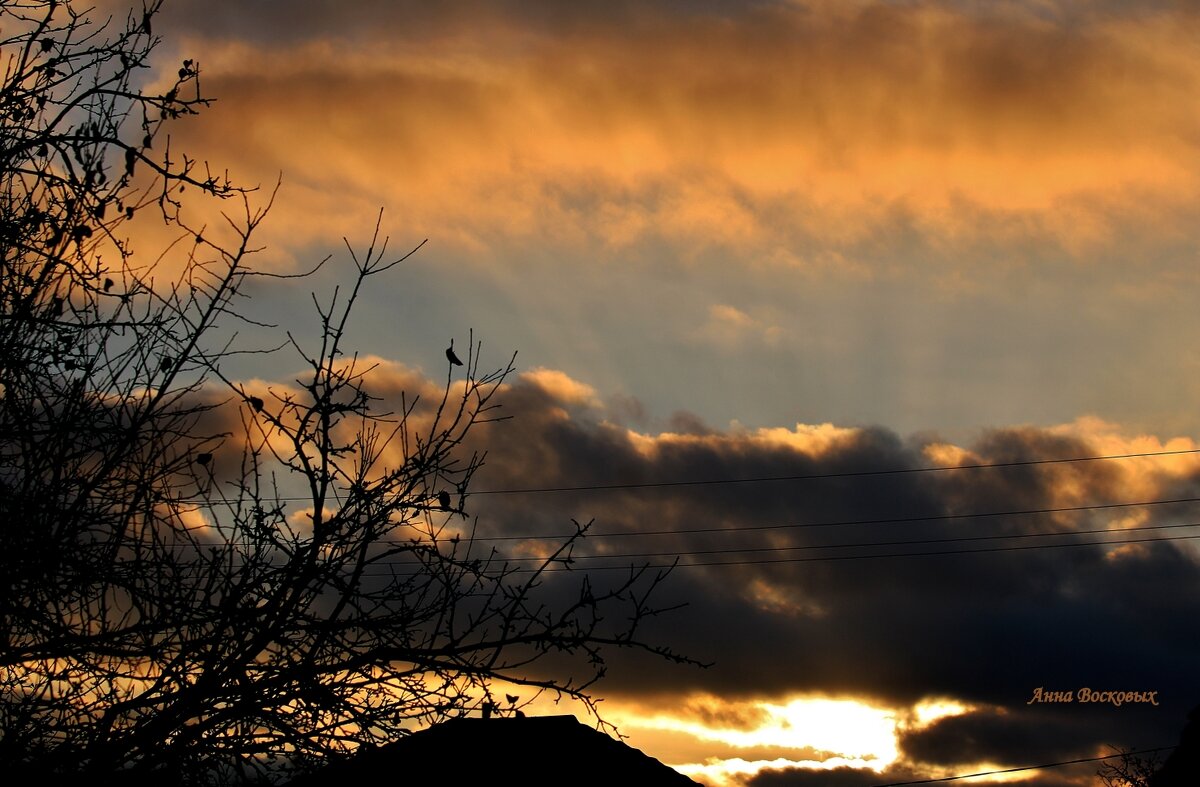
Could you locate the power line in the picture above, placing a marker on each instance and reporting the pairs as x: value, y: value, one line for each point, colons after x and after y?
x: 932, y: 553
x: 738, y: 529
x: 1024, y: 768
x: 803, y: 526
x: 823, y: 558
x: 816, y: 476
x: 797, y: 477
x: 855, y: 522
x: 868, y: 544
x: 505, y: 562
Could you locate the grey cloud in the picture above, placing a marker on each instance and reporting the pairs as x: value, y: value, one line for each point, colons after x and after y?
x: 983, y: 628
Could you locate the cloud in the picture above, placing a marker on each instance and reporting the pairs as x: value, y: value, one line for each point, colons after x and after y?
x: 729, y: 327
x: 778, y: 132
x: 950, y: 648
x: 1030, y: 148
x: 559, y: 386
x: 981, y: 629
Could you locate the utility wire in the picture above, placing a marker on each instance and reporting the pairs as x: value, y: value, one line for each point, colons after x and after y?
x: 803, y: 526
x: 814, y: 476
x: 1024, y: 768
x: 832, y: 558
x: 867, y: 544
x: 501, y: 564
x: 816, y: 559
x: 854, y: 522
x: 798, y: 477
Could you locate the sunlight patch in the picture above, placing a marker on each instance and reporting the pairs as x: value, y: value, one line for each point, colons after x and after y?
x: 814, y: 440
x: 847, y: 729
x: 561, y: 386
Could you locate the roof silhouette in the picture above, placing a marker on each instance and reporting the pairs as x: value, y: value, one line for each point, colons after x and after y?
x: 532, y: 750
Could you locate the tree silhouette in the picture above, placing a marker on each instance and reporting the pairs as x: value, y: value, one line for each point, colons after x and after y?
x: 204, y: 583
x: 1129, y: 770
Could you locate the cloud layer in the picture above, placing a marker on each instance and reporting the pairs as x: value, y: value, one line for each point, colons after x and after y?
x: 808, y: 230
x: 985, y: 629
x: 791, y: 132
x: 927, y: 215
x: 800, y: 588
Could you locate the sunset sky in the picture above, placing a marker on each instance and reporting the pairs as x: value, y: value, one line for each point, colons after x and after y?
x: 736, y: 240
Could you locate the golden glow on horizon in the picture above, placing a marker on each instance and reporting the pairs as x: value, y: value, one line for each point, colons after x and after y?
x: 845, y: 728
x: 724, y: 743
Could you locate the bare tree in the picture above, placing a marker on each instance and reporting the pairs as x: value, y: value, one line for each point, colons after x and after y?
x: 1130, y: 769
x: 204, y: 583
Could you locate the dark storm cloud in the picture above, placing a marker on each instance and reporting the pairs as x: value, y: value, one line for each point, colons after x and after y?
x: 1003, y: 735
x: 985, y: 629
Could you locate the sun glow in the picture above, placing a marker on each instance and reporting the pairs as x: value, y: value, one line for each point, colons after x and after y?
x: 928, y: 711
x: 820, y: 731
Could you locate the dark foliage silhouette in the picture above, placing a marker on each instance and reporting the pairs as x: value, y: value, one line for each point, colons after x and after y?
x: 170, y: 611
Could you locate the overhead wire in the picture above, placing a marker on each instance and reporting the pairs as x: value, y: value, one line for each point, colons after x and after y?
x: 564, y: 564
x: 856, y: 522
x: 1023, y: 768
x: 498, y: 564
x: 806, y: 476
x: 838, y: 474
x: 833, y: 558
x: 836, y: 523
x: 870, y: 544
x: 740, y: 529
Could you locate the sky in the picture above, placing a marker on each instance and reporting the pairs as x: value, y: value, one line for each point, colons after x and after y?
x: 762, y: 239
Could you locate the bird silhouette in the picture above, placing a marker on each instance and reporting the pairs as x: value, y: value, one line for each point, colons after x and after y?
x: 444, y: 499
x: 451, y: 357
x: 203, y: 459
x: 512, y: 698
x: 256, y: 403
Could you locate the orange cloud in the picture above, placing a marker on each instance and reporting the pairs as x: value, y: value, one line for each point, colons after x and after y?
x: 751, y: 132
x: 728, y: 327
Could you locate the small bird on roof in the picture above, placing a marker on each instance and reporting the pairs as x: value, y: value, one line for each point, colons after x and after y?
x: 451, y: 357
x: 444, y: 499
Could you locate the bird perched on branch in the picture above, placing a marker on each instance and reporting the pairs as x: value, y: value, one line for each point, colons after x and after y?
x: 444, y: 499
x: 451, y: 357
